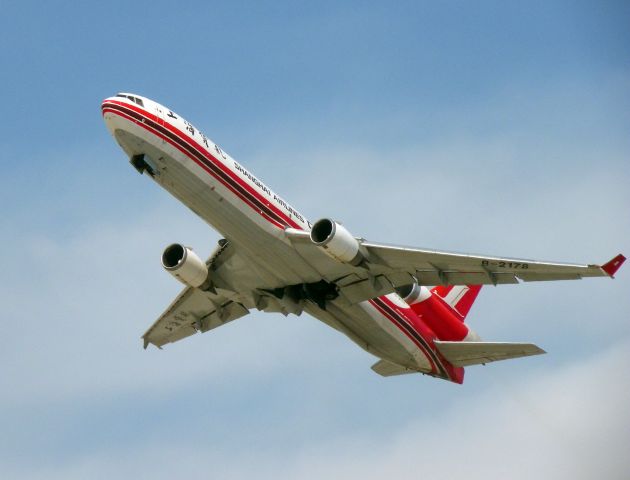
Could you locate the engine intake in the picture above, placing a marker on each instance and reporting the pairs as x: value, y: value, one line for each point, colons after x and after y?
x: 413, y: 293
x: 336, y: 241
x: 184, y: 265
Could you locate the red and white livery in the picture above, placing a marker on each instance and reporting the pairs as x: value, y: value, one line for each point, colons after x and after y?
x: 273, y: 259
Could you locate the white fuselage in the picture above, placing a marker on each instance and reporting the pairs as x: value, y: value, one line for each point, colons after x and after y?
x: 249, y: 214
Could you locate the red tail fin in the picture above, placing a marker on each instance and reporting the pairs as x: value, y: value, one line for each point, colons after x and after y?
x: 459, y: 297
x: 444, y: 309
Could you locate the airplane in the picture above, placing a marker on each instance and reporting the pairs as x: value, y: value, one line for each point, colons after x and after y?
x: 272, y: 259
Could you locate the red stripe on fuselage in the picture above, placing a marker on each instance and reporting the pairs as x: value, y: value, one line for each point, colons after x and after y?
x: 199, y: 149
x: 406, y: 328
x: 421, y: 335
x: 387, y: 309
x: 234, y: 190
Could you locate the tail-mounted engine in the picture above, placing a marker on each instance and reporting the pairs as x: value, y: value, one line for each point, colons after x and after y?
x: 184, y: 265
x: 336, y: 241
x: 413, y: 293
x: 443, y: 319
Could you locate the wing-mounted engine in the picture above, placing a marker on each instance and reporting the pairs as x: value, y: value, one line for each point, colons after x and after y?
x: 336, y: 241
x: 184, y: 264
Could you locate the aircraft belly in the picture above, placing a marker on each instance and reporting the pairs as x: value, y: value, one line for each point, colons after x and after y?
x: 261, y: 241
x: 275, y: 262
x: 373, y: 332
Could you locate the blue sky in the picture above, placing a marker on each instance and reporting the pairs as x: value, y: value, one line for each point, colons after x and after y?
x: 494, y: 128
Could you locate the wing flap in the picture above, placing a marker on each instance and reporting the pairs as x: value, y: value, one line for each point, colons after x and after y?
x: 462, y: 354
x: 547, y: 277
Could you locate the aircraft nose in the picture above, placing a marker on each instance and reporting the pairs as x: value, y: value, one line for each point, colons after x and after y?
x: 108, y: 117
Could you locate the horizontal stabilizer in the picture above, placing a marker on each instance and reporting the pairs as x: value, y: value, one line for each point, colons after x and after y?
x: 389, y: 369
x: 462, y: 354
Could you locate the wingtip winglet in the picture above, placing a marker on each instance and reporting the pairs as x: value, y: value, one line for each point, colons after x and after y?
x: 613, y: 265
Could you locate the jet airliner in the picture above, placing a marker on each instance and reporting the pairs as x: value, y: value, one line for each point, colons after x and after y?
x: 406, y: 306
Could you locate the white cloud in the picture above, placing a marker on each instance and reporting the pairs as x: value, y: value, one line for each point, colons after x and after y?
x: 567, y: 424
x: 572, y: 423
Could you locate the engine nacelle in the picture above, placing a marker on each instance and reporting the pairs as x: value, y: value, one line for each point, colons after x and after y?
x: 433, y: 311
x: 184, y: 265
x: 336, y: 241
x: 413, y: 293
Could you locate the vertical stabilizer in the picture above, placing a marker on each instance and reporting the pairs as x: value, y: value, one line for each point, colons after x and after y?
x: 458, y: 297
x: 444, y: 309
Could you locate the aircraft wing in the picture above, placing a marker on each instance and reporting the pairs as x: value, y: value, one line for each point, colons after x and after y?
x: 192, y: 311
x: 432, y: 267
x: 388, y: 266
x: 236, y: 281
x: 195, y: 310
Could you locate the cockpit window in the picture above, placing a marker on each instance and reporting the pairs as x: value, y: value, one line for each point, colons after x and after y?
x: 132, y: 98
